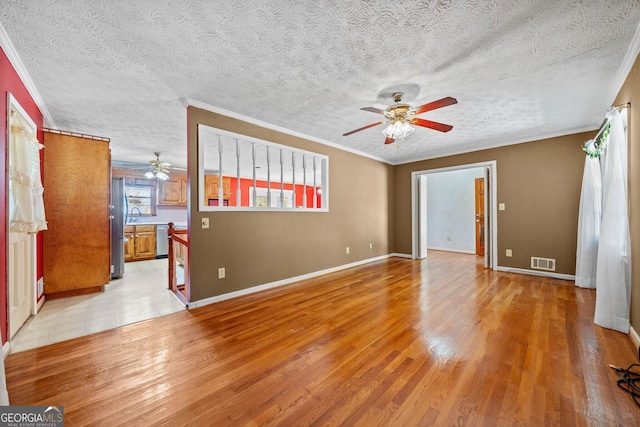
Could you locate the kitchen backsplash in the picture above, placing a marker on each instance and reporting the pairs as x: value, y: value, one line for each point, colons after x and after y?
x: 176, y: 214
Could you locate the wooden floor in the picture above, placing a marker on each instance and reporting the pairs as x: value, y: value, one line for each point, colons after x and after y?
x: 393, y: 343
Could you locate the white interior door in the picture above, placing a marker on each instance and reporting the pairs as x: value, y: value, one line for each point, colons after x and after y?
x: 21, y: 263
x: 21, y: 279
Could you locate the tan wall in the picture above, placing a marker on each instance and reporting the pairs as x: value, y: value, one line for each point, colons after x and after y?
x: 539, y: 183
x: 263, y: 247
x: 630, y: 92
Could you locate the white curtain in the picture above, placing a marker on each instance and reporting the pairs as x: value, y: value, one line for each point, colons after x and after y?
x: 589, y: 224
x: 613, y: 267
x: 26, y: 196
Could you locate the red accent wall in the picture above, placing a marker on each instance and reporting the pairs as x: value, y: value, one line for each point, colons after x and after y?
x: 11, y: 82
x: 246, y: 183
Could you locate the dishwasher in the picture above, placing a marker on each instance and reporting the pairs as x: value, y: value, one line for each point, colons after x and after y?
x: 162, y: 241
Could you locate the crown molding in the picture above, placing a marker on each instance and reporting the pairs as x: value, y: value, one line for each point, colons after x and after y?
x: 625, y: 67
x: 16, y: 62
x: 188, y: 102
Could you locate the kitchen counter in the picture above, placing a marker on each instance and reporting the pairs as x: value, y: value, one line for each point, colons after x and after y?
x: 144, y: 222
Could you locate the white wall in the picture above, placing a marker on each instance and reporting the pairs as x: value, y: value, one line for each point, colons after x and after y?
x: 451, y: 210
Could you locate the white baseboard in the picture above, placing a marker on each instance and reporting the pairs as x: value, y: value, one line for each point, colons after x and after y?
x: 635, y: 338
x: 538, y: 273
x: 401, y: 255
x: 283, y: 282
x: 451, y: 250
x: 6, y: 349
x: 39, y: 305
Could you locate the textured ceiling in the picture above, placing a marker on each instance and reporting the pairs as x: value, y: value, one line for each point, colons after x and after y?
x: 521, y: 70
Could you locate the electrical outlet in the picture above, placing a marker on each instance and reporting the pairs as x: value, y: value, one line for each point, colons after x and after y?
x: 448, y: 239
x: 501, y: 206
x: 221, y: 273
x: 370, y: 245
x: 509, y: 253
x: 348, y: 250
x: 205, y: 222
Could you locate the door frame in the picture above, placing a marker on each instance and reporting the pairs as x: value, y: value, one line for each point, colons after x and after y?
x: 418, y: 209
x: 12, y: 102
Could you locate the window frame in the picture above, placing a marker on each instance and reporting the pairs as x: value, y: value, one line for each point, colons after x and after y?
x: 320, y: 161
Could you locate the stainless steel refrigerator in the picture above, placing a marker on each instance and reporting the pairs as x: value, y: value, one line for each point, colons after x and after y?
x: 118, y: 217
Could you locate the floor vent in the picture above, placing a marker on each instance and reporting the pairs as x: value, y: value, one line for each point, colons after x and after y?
x: 548, y: 264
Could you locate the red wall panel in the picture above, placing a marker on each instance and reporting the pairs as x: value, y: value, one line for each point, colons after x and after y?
x: 11, y: 82
x: 246, y: 183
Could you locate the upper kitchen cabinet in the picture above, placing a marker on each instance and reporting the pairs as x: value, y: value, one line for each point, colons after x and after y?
x: 211, y: 187
x: 173, y: 192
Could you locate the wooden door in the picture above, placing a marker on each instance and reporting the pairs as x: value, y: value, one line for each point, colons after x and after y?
x: 422, y: 216
x: 479, y: 216
x: 77, y: 182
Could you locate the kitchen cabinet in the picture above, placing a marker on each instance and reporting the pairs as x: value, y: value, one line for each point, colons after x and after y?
x: 141, y: 242
x: 211, y: 183
x: 173, y: 192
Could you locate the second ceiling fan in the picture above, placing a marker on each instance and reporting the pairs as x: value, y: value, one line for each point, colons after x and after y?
x: 401, y: 116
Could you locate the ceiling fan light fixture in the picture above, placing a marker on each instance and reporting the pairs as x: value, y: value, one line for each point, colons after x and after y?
x: 398, y: 129
x: 157, y: 169
x: 163, y: 176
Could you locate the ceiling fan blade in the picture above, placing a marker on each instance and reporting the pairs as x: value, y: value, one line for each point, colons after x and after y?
x: 431, y: 125
x: 389, y: 140
x: 373, y: 110
x: 362, y: 128
x: 444, y: 102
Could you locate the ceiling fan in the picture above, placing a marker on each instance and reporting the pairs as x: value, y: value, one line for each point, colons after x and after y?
x: 158, y: 169
x: 148, y: 167
x: 401, y: 116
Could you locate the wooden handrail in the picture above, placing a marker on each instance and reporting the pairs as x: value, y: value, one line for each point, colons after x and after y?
x: 180, y: 237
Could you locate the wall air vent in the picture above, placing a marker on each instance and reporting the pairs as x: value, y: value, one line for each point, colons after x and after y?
x: 548, y: 264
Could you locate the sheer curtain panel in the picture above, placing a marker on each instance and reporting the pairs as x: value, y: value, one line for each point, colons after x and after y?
x: 589, y: 224
x: 613, y: 275
x: 26, y: 196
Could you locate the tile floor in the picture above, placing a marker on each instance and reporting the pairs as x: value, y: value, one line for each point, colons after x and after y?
x: 141, y: 294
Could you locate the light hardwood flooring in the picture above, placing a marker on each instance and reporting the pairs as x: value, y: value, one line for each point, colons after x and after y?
x: 140, y: 295
x: 397, y: 342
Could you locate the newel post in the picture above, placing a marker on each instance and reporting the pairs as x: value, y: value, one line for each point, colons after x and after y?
x: 172, y: 261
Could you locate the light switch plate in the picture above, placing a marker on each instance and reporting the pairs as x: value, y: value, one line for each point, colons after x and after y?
x: 501, y: 206
x: 205, y: 222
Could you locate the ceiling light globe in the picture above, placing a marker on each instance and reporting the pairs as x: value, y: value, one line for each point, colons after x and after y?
x: 399, y: 129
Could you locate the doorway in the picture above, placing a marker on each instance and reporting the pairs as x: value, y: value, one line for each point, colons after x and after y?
x: 486, y: 224
x: 23, y: 214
